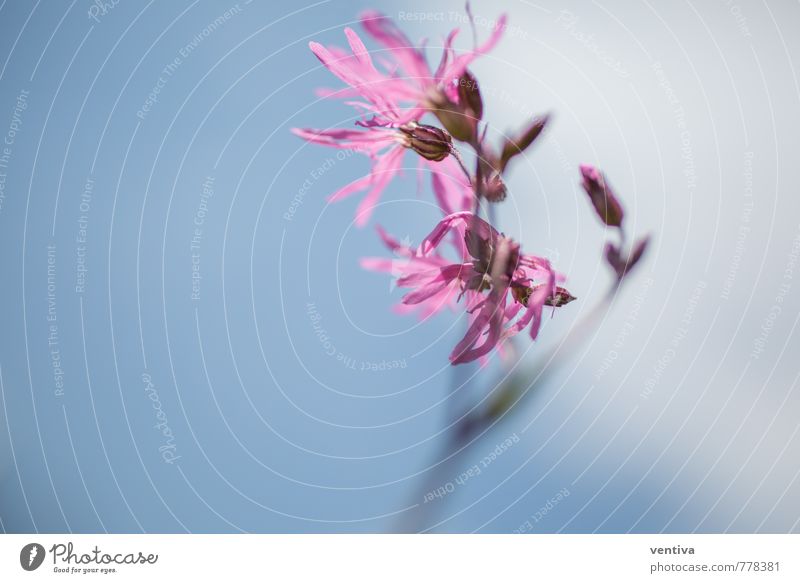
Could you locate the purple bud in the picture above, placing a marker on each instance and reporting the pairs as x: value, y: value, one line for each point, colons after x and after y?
x: 517, y: 145
x: 620, y: 265
x: 560, y: 297
x: 521, y: 293
x: 469, y: 96
x: 494, y: 189
x: 461, y: 126
x: 601, y: 196
x: 430, y: 142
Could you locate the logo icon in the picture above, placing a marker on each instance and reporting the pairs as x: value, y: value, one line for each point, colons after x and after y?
x: 31, y: 556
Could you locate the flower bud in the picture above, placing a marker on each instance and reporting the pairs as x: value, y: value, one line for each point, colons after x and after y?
x: 621, y: 265
x: 601, y: 196
x: 430, y: 142
x: 505, y: 258
x: 518, y: 144
x: 494, y: 189
x: 478, y: 247
x: 560, y: 297
x: 455, y: 118
x: 521, y: 293
x: 469, y: 96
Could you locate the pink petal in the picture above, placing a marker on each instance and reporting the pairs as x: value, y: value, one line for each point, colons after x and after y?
x: 355, y: 186
x: 377, y: 264
x: 463, y: 219
x: 382, y: 172
x: 490, y: 318
x: 460, y: 63
x: 367, y: 142
x: 358, y: 48
x: 383, y: 30
x: 452, y: 191
x: 445, y: 273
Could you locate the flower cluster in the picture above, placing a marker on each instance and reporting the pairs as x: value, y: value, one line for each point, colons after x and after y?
x: 502, y: 290
x: 391, y: 103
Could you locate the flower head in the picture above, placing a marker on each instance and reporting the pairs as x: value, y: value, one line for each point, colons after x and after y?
x: 390, y: 100
x: 407, y: 266
x: 504, y: 290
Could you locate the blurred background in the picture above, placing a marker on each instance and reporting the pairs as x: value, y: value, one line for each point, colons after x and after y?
x: 189, y: 344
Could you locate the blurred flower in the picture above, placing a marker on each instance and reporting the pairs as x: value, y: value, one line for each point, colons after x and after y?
x: 622, y: 265
x: 513, y: 146
x: 504, y: 290
x: 601, y: 196
x: 419, y: 83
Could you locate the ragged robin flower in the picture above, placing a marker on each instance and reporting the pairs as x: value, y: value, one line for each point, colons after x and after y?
x: 503, y: 289
x: 390, y: 100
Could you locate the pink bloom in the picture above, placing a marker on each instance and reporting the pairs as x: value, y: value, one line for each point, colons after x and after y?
x: 386, y: 146
x: 419, y: 84
x: 505, y: 290
x: 395, y: 98
x: 406, y: 264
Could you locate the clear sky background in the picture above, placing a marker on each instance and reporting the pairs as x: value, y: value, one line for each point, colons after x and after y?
x: 165, y: 262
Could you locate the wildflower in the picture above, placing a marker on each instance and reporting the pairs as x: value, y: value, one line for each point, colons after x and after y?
x: 506, y: 290
x: 405, y: 264
x: 391, y: 102
x: 428, y: 88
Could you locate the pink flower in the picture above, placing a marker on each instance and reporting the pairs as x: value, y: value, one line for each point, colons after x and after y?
x: 395, y: 98
x: 505, y: 290
x: 406, y: 264
x: 419, y: 84
x: 386, y: 146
